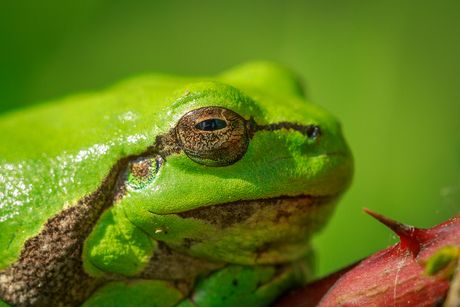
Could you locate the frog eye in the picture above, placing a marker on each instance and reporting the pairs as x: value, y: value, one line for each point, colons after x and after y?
x: 213, y: 136
x: 142, y: 171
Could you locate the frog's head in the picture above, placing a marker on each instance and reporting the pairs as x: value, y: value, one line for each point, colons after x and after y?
x: 243, y: 173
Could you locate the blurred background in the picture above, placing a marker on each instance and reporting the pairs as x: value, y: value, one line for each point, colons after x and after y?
x: 390, y: 70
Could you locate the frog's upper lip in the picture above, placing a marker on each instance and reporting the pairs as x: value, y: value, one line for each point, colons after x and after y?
x: 309, y: 200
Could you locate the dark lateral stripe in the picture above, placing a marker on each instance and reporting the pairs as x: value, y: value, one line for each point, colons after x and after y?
x: 279, y: 126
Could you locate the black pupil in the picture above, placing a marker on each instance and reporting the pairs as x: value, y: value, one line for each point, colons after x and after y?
x: 313, y: 131
x: 211, y: 124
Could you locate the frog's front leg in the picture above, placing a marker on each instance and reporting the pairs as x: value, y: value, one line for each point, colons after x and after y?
x: 239, y: 285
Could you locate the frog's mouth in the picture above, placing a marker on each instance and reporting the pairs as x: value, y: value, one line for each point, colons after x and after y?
x: 253, y: 211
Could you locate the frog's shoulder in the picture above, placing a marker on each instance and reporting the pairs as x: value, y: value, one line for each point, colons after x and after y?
x: 55, y: 154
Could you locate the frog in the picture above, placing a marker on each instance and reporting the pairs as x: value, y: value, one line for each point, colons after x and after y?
x: 166, y: 190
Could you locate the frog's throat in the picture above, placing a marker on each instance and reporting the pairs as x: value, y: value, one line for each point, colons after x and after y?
x: 275, y: 230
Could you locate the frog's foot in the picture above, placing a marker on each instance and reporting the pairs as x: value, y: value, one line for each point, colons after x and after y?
x: 238, y: 285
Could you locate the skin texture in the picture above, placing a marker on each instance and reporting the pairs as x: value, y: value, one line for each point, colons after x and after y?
x: 113, y: 193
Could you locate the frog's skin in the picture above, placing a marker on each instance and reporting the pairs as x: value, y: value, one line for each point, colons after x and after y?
x: 167, y: 191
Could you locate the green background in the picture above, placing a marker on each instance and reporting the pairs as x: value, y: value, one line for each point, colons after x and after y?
x: 390, y: 70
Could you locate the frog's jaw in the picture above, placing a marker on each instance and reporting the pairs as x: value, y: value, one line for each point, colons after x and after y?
x: 266, y: 231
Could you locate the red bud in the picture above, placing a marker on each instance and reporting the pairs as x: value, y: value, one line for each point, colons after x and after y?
x: 414, y: 272
x: 398, y: 275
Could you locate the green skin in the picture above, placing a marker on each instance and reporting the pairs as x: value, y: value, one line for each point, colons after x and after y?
x: 56, y: 154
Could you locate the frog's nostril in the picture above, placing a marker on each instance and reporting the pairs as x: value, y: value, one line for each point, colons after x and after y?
x: 313, y: 131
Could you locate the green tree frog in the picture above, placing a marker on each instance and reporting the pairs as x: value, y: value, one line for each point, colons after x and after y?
x: 167, y: 191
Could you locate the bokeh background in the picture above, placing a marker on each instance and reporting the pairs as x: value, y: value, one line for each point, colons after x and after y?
x: 390, y: 70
